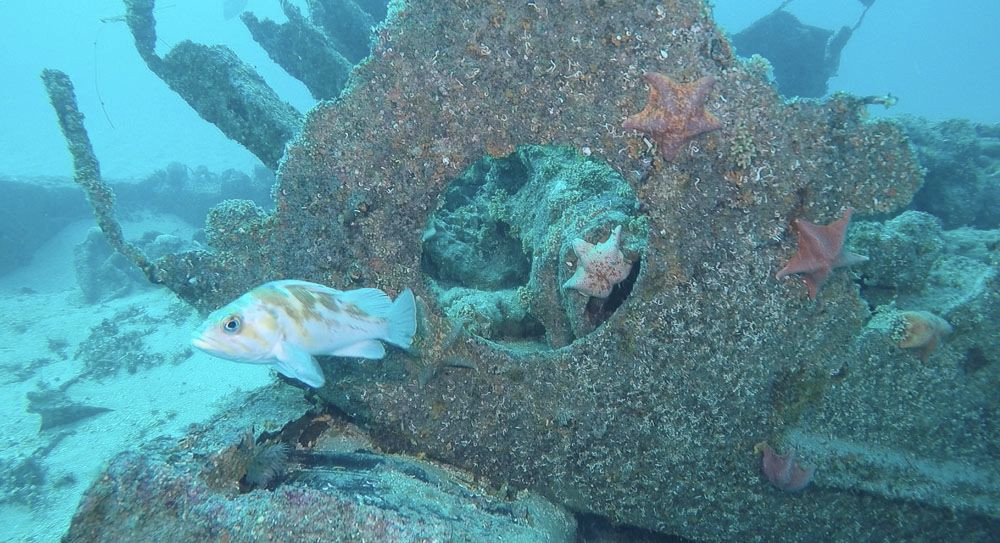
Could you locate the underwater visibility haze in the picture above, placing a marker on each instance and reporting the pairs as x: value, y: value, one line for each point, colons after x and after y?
x: 553, y: 271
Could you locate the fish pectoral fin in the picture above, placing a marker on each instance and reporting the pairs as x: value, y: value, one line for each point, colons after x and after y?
x: 368, y: 348
x: 296, y: 363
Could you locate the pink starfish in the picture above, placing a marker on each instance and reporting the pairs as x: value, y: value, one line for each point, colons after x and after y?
x: 821, y: 249
x: 784, y: 471
x: 599, y: 267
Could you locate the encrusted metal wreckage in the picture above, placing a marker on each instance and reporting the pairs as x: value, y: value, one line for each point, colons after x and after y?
x: 644, y: 408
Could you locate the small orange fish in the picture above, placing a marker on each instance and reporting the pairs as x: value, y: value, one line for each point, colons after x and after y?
x: 285, y: 323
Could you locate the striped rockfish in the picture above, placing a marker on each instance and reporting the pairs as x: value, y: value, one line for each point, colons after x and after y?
x: 285, y: 323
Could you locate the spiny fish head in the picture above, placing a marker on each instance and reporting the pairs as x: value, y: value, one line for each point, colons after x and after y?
x: 243, y: 331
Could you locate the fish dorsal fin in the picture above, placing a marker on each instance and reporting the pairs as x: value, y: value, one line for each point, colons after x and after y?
x: 370, y: 302
x: 296, y: 363
x: 309, y: 286
x: 369, y: 348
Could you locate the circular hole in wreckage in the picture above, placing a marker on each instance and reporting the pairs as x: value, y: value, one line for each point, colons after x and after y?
x: 535, y: 249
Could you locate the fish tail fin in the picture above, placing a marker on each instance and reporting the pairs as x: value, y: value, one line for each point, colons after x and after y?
x: 402, y: 317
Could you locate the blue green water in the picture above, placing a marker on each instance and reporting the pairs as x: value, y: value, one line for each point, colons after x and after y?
x: 940, y: 61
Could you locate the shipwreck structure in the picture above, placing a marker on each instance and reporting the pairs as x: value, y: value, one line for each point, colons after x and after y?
x: 469, y: 153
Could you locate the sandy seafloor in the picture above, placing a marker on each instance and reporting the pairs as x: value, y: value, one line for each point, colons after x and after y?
x: 42, y: 302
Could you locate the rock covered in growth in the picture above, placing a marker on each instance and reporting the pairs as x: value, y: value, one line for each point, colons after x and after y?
x: 961, y: 186
x: 24, y: 478
x: 303, y: 50
x: 223, y: 89
x: 332, y: 489
x: 230, y: 94
x: 907, y: 245
x: 48, y: 204
x: 650, y: 419
x: 348, y: 24
x: 910, y: 414
x: 101, y: 272
x: 189, y: 192
x: 104, y: 274
x: 87, y: 171
x: 134, y: 501
x: 922, y: 265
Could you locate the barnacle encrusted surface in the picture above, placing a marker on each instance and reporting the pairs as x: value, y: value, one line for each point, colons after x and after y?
x: 333, y: 487
x: 651, y: 418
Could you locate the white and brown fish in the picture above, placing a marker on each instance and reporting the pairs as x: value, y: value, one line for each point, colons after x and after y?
x: 285, y: 323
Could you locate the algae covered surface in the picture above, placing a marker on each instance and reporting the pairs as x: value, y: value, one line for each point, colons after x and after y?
x: 482, y: 140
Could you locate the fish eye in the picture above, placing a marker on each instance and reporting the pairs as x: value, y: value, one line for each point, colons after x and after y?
x: 232, y: 324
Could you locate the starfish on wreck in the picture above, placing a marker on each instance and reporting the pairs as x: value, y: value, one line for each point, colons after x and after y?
x: 922, y: 330
x: 675, y: 113
x: 783, y: 470
x: 599, y: 267
x: 821, y: 249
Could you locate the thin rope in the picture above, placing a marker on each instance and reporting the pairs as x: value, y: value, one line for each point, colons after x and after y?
x: 97, y: 86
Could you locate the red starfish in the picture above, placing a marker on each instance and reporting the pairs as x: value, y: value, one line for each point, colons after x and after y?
x: 821, y: 249
x: 674, y: 113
